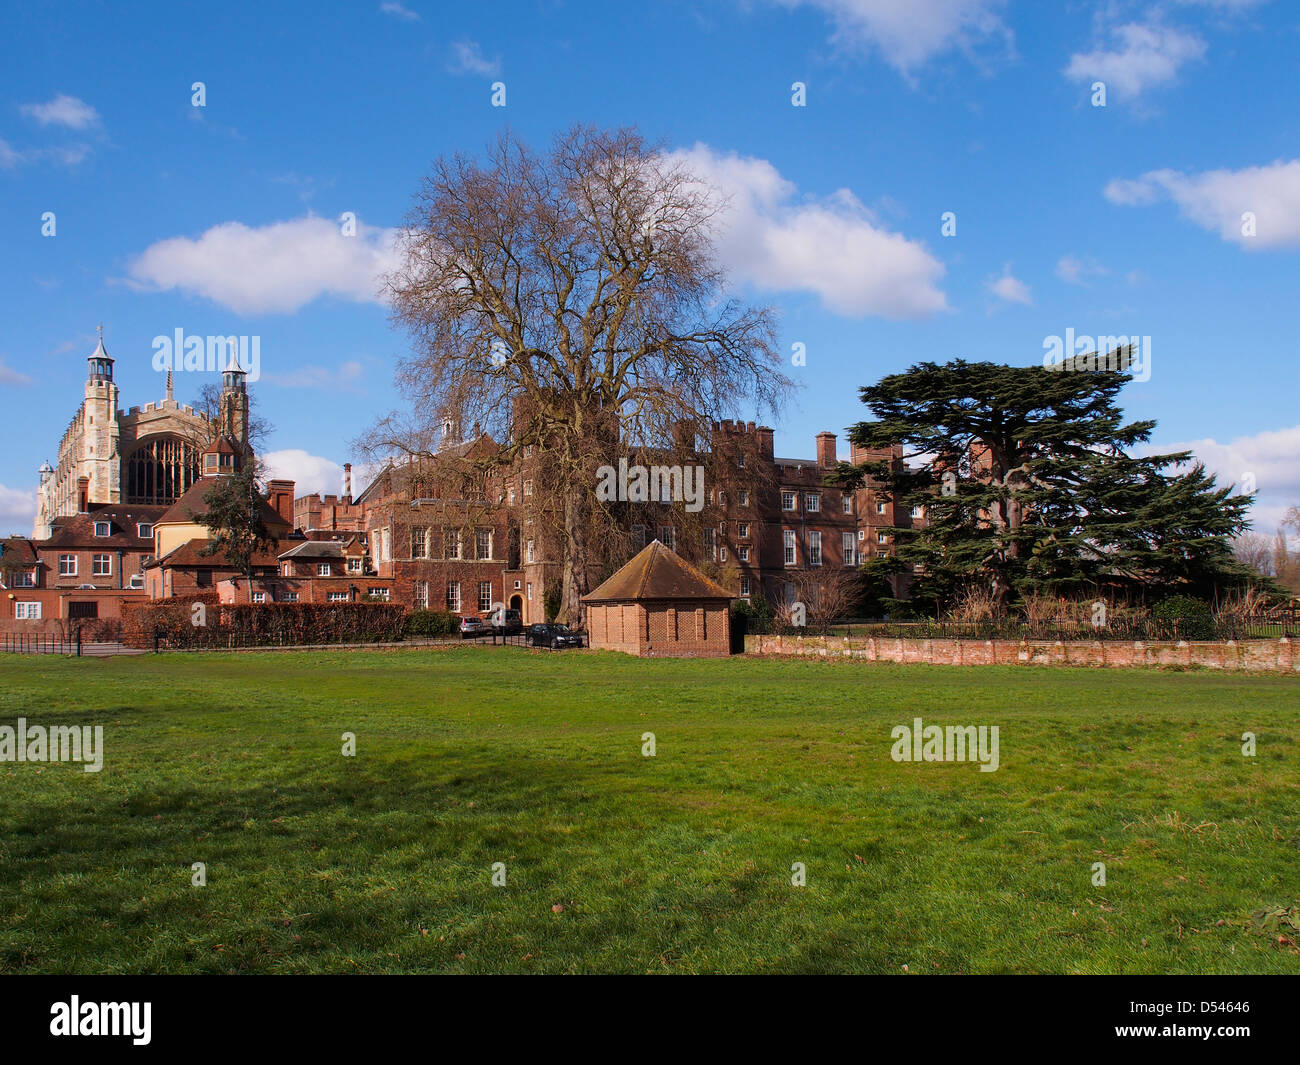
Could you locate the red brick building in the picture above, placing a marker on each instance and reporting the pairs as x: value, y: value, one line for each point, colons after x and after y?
x: 660, y: 606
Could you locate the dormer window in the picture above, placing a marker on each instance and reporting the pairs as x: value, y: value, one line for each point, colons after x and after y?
x: 143, y: 530
x: 102, y: 529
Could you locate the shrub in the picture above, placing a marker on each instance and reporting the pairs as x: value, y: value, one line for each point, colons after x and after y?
x: 428, y: 624
x: 1185, y: 618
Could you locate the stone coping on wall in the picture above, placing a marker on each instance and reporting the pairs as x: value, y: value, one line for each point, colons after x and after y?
x: 1263, y: 656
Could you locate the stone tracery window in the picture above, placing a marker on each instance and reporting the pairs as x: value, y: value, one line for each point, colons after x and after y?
x: 161, y: 469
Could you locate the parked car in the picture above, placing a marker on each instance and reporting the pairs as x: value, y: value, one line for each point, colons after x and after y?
x: 472, y: 627
x: 512, y: 625
x: 554, y: 636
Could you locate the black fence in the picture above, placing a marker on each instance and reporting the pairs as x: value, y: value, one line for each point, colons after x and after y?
x: 1145, y: 629
x: 40, y: 644
x: 216, y: 640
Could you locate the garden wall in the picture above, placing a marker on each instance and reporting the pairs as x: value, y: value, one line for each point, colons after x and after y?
x: 1263, y: 656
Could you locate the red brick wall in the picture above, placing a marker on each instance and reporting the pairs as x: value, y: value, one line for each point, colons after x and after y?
x: 661, y: 630
x: 1273, y: 656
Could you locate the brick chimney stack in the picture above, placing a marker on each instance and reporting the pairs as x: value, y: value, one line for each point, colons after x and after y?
x: 280, y: 496
x: 766, y: 441
x: 825, y: 450
x: 347, y: 482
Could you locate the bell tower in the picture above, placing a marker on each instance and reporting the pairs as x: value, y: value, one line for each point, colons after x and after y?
x: 100, y: 432
x: 234, y: 402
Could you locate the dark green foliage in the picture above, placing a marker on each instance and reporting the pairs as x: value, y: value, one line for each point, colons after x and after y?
x: 429, y: 624
x: 234, y: 520
x: 1029, y: 485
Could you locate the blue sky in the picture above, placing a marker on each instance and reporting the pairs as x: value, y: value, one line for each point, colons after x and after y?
x: 1125, y: 219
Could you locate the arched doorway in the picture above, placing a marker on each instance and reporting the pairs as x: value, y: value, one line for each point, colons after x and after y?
x: 517, y: 603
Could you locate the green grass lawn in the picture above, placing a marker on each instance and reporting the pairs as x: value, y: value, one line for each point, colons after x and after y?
x: 676, y: 863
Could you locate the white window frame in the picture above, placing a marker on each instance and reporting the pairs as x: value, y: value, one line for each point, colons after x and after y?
x: 64, y: 559
x: 323, y: 569
x: 814, y: 547
x: 107, y: 571
x: 27, y: 610
x: 106, y: 526
x: 849, y: 548
x: 668, y: 536
x: 453, y: 596
x: 789, y: 501
x: 790, y: 547
x: 812, y: 502
x: 140, y: 528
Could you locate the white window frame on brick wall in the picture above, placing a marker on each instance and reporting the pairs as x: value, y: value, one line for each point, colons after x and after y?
x: 323, y: 569
x: 480, y: 546
x: 668, y: 536
x: 882, y: 537
x: 742, y: 553
x: 814, y: 547
x: 259, y: 597
x: 453, y: 596
x: 354, y: 564
x: 65, y: 560
x: 745, y: 587
x: 812, y: 502
x: 420, y: 594
x: 530, y: 591
x: 848, y: 504
x: 789, y: 500
x: 850, y: 549
x: 530, y: 554
x: 790, y: 547
x: 337, y: 597
x: 419, y: 542
x: 918, y: 512
x: 290, y: 597
x: 101, y: 565
x: 484, y: 596
x: 881, y: 507
x: 379, y: 593
x: 27, y: 610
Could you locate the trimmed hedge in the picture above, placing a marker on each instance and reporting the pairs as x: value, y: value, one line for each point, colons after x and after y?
x: 429, y: 624
x: 172, y: 622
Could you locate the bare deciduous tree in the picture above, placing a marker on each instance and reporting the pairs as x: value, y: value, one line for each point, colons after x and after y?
x: 571, y: 303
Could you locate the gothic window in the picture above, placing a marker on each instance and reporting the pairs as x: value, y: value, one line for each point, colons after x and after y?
x: 161, y: 470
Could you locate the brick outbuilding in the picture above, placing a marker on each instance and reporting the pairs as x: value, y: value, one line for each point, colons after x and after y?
x: 660, y: 606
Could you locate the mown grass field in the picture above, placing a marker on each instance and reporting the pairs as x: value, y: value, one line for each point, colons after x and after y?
x: 677, y: 863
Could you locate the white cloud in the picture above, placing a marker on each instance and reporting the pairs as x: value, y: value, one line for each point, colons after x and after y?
x: 397, y: 10
x: 772, y: 238
x: 1217, y: 199
x: 310, y: 473
x: 274, y: 268
x: 68, y: 155
x: 10, y: 376
x: 63, y: 110
x: 17, y: 511
x: 469, y: 59
x: 1075, y: 271
x: 1271, y: 457
x: 909, y: 34
x: 1141, y: 56
x: 327, y: 377
x: 1010, y: 289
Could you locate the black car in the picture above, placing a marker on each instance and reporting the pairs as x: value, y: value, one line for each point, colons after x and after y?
x: 554, y: 636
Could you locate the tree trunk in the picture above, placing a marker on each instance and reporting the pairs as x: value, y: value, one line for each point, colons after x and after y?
x: 574, y: 585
